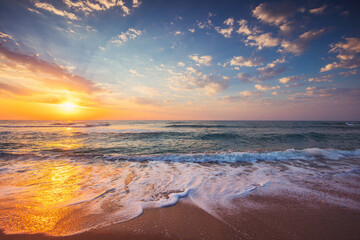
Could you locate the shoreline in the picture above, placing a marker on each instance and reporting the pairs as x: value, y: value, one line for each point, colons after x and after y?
x: 254, y: 216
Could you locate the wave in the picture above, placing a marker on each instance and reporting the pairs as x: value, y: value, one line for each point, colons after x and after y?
x: 234, y: 157
x: 309, y: 154
x: 199, y: 126
x: 351, y: 124
x: 103, y: 193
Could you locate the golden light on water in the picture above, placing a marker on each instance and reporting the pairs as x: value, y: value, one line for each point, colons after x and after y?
x: 41, y: 207
x: 50, y: 197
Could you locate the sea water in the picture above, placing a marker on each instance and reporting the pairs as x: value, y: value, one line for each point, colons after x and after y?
x: 62, y: 178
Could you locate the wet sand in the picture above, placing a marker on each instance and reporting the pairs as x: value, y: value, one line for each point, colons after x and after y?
x: 254, y: 216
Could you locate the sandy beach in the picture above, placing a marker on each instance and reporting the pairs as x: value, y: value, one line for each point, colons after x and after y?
x: 256, y: 216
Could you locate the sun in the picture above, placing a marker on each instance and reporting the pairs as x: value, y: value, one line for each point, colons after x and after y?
x: 68, y: 107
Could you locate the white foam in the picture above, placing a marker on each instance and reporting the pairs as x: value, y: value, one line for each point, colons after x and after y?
x: 233, y: 157
x: 119, y: 191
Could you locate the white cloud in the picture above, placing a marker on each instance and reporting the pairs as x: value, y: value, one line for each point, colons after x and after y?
x: 226, y: 32
x: 206, y: 24
x: 203, y: 60
x: 50, y: 8
x: 299, y: 45
x: 181, y: 64
x: 288, y: 27
x: 34, y: 10
x: 323, y: 78
x: 348, y: 73
x: 100, y: 5
x: 243, y: 29
x: 265, y: 87
x: 136, y: 3
x: 194, y: 79
x: 192, y: 30
x: 317, y: 11
x: 275, y: 62
x: 125, y: 36
x: 263, y: 40
x: 4, y: 35
x: 229, y: 22
x: 289, y: 79
x: 352, y: 45
x: 178, y: 33
x: 246, y: 93
x: 274, y: 13
x: 348, y: 53
x: 134, y: 72
x: 247, y: 62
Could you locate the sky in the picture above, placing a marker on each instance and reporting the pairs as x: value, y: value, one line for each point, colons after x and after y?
x: 179, y: 60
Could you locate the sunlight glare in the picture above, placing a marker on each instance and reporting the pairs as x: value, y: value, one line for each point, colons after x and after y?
x: 68, y: 107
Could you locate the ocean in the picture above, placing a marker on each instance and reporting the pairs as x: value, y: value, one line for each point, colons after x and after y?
x: 62, y: 178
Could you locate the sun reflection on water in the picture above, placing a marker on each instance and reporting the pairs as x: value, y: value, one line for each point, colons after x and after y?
x: 39, y: 200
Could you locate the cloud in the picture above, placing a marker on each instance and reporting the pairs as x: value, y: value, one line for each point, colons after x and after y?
x: 255, y: 37
x: 181, y: 64
x: 244, y: 95
x: 5, y: 36
x: 290, y: 79
x: 274, y: 13
x: 348, y: 73
x: 323, y: 78
x: 299, y: 45
x: 229, y: 22
x: 265, y: 87
x: 267, y: 73
x: 100, y: 5
x: 22, y: 65
x: 145, y: 101
x: 194, y: 79
x: 226, y: 32
x: 34, y: 10
x: 206, y: 24
x: 275, y: 62
x: 134, y: 72
x: 333, y: 93
x: 288, y: 27
x: 348, y: 55
x: 50, y: 8
x: 244, y: 77
x: 247, y: 62
x: 192, y: 30
x: 149, y: 91
x: 317, y: 11
x: 243, y: 29
x: 178, y: 33
x: 263, y: 40
x: 21, y: 91
x: 136, y: 3
x: 203, y: 60
x: 125, y: 36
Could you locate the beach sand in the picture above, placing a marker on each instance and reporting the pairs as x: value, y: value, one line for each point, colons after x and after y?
x: 255, y: 216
